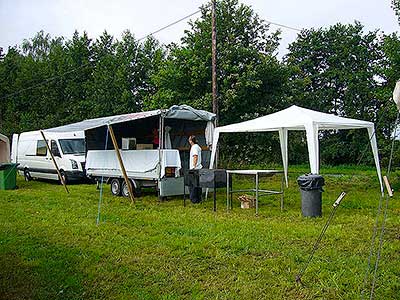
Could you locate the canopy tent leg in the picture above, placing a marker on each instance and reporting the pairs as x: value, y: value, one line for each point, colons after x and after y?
x: 313, y: 147
x: 374, y: 146
x: 214, y: 148
x: 283, y: 138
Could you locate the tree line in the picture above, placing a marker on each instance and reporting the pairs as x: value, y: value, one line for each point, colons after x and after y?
x: 343, y: 69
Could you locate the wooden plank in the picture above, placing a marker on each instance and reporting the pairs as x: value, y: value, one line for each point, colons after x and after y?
x: 121, y: 163
x: 54, y: 162
x: 388, y: 187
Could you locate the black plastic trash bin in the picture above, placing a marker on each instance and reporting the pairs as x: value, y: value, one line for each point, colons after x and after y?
x: 311, y: 194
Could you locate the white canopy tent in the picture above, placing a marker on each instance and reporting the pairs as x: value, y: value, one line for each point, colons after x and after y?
x: 298, y: 118
x: 4, y: 149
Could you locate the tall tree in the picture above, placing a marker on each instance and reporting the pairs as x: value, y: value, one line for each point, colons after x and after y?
x: 250, y: 78
x: 396, y: 8
x: 338, y: 70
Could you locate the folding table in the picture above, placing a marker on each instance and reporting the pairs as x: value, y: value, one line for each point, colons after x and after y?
x: 258, y: 192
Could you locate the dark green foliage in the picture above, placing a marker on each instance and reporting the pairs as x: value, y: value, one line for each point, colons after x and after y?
x: 341, y: 70
x: 50, y: 82
x: 250, y: 78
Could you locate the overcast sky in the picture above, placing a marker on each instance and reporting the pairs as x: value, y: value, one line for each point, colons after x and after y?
x: 21, y: 19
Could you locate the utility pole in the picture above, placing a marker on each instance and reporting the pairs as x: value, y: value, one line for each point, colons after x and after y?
x: 214, y: 60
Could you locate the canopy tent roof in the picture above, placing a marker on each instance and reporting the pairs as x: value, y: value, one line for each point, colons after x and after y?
x: 295, y: 118
x: 298, y: 118
x: 4, y: 149
x: 183, y: 112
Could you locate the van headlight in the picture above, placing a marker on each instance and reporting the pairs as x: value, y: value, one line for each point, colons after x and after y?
x: 74, y: 164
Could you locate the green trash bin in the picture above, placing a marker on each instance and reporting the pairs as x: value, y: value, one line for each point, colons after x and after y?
x: 8, y: 176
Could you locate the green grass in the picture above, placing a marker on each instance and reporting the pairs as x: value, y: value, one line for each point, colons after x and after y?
x: 51, y: 247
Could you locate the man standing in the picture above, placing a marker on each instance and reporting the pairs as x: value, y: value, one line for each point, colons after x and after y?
x: 195, y: 164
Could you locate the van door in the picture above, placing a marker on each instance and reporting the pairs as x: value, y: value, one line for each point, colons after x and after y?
x: 14, y: 148
x: 57, y: 155
x: 42, y: 166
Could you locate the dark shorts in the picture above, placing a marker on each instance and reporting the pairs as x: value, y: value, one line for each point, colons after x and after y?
x: 195, y: 194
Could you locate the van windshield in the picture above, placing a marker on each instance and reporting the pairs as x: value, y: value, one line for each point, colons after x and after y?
x: 72, y: 146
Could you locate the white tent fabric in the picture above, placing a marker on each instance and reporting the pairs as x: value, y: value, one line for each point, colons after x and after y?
x: 298, y: 118
x: 4, y: 149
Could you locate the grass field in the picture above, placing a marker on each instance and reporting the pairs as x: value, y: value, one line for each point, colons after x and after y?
x: 51, y: 247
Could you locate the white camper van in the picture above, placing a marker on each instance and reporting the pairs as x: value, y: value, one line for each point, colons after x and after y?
x: 30, y: 152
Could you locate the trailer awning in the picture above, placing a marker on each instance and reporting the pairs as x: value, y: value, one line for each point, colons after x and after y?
x: 183, y: 112
x: 99, y: 122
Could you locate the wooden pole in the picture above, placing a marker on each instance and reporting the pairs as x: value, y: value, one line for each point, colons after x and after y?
x: 54, y: 162
x: 121, y: 163
x: 214, y: 60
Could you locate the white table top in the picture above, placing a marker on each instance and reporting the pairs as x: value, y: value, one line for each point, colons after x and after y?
x: 254, y: 172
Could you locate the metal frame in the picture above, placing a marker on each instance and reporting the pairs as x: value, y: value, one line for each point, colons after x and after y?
x: 258, y: 192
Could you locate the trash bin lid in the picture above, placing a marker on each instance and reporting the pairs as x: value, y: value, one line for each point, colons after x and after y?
x: 311, y: 182
x: 4, y: 166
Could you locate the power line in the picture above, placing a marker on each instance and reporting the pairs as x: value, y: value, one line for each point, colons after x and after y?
x: 87, y: 64
x: 284, y: 26
x: 142, y: 38
x: 169, y: 25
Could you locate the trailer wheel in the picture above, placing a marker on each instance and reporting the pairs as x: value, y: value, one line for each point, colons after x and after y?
x: 125, y: 190
x: 27, y: 175
x: 137, y: 192
x: 115, y: 187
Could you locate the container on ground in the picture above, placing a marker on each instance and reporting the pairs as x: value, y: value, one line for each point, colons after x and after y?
x: 311, y: 194
x: 8, y: 176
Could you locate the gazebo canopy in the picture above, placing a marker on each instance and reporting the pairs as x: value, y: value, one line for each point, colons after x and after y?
x: 298, y: 118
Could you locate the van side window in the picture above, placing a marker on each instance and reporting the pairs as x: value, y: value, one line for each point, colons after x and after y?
x: 41, y: 149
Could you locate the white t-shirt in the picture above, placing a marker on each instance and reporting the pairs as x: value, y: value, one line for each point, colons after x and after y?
x: 195, y: 150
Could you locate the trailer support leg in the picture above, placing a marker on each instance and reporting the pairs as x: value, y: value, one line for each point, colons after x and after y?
x: 121, y: 163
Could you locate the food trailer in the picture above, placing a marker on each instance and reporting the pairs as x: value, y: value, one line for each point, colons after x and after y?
x: 153, y: 145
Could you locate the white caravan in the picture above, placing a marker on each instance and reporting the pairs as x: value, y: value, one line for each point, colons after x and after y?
x: 30, y: 152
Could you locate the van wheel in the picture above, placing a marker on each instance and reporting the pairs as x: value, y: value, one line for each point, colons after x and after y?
x: 115, y: 187
x: 64, y: 177
x: 125, y: 190
x: 27, y: 175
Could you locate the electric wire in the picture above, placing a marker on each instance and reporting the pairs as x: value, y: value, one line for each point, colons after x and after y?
x: 87, y: 64
x: 139, y: 40
x: 283, y: 26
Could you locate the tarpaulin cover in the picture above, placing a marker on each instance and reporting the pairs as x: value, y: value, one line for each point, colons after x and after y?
x: 183, y: 112
x: 187, y: 112
x: 138, y: 163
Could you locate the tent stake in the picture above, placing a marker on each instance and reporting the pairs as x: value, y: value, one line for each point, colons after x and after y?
x: 54, y: 162
x: 335, y: 206
x: 121, y: 163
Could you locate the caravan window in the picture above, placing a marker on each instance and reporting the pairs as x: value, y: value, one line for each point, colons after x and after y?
x: 72, y: 146
x: 41, y: 149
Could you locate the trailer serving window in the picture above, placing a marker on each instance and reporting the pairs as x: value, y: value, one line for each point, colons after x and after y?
x: 72, y: 146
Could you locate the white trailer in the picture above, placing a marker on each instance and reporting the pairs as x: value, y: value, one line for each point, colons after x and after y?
x: 143, y: 167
